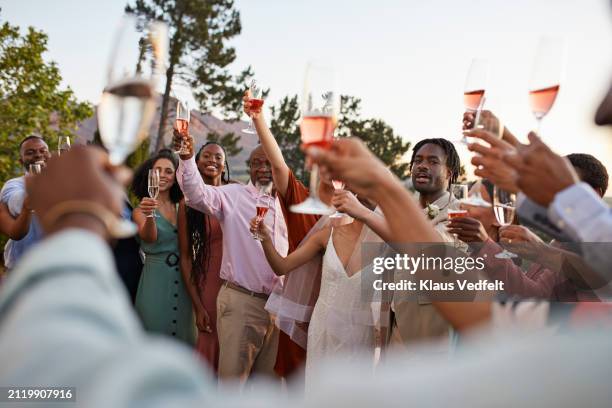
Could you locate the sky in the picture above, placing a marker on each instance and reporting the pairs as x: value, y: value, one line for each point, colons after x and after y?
x: 406, y: 59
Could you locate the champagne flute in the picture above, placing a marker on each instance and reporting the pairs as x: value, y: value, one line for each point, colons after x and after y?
x: 504, y: 206
x: 63, y: 144
x: 263, y: 204
x: 475, y: 87
x: 487, y: 122
x: 460, y: 192
x: 547, y: 72
x: 153, y: 186
x: 338, y: 185
x: 257, y: 101
x: 183, y: 116
x: 128, y: 102
x: 320, y: 106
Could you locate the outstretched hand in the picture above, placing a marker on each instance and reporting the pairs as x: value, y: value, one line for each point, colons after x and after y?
x: 346, y: 202
x: 184, y: 141
x: 349, y: 160
x: 83, y: 174
x: 251, y: 111
x: 490, y: 160
x: 256, y: 226
x: 541, y: 173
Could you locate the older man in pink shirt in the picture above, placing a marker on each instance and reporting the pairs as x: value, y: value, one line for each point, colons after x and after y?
x: 248, y: 338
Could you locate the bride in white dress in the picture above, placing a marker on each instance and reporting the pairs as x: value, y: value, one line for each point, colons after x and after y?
x: 342, y: 323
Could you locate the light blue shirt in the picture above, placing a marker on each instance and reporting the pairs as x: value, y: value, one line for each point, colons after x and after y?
x: 13, y: 193
x: 66, y: 321
x: 582, y: 214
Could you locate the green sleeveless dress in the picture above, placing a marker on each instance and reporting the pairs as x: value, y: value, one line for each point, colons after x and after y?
x: 162, y: 300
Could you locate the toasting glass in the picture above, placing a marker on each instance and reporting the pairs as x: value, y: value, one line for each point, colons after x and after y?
x: 547, y: 72
x: 153, y: 186
x: 265, y: 200
x: 256, y: 103
x: 128, y: 103
x: 504, y: 206
x: 320, y: 107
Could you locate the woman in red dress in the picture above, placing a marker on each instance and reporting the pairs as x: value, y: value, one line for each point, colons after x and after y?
x: 200, y: 243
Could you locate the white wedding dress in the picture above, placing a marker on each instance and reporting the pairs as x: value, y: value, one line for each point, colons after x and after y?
x: 341, y: 323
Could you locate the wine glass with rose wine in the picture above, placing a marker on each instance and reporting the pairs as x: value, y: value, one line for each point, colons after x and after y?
x: 183, y: 116
x: 459, y: 192
x: 547, y: 72
x: 338, y: 185
x: 474, y: 88
x: 257, y: 101
x: 265, y: 200
x: 320, y: 106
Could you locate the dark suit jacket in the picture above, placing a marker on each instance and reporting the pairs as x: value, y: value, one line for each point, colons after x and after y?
x: 128, y: 262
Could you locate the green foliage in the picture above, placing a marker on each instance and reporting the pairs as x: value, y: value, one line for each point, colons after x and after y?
x: 199, y: 54
x: 229, y: 141
x: 378, y: 136
x: 31, y: 100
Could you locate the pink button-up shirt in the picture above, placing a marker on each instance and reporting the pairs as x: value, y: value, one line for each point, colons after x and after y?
x: 244, y: 262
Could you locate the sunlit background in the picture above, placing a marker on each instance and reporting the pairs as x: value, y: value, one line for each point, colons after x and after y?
x: 407, y: 60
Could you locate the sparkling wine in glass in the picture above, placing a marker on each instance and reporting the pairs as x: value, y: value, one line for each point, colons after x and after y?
x: 546, y: 75
x: 63, y: 144
x: 256, y: 103
x: 128, y: 103
x: 320, y: 107
x: 504, y: 207
x: 183, y: 116
x: 265, y: 200
x: 338, y: 185
x: 475, y: 87
x: 153, y: 186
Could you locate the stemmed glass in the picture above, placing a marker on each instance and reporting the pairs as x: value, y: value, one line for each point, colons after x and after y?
x: 484, y: 121
x: 263, y: 204
x: 460, y: 192
x: 504, y: 206
x: 183, y: 116
x: 63, y: 144
x: 475, y: 87
x: 338, y: 185
x: 153, y: 186
x: 257, y: 101
x: 128, y: 103
x: 320, y: 106
x: 546, y: 75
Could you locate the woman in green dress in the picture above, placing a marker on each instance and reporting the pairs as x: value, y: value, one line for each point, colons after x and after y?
x: 162, y: 300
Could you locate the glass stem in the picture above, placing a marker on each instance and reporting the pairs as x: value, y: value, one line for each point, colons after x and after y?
x: 539, y: 126
x: 314, y: 181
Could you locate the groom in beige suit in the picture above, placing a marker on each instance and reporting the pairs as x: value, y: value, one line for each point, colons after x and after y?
x: 434, y: 166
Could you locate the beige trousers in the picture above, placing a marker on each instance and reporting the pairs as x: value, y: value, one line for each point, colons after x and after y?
x: 248, y: 338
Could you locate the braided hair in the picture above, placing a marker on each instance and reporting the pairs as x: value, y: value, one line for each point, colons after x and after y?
x: 198, y: 228
x: 452, y: 158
